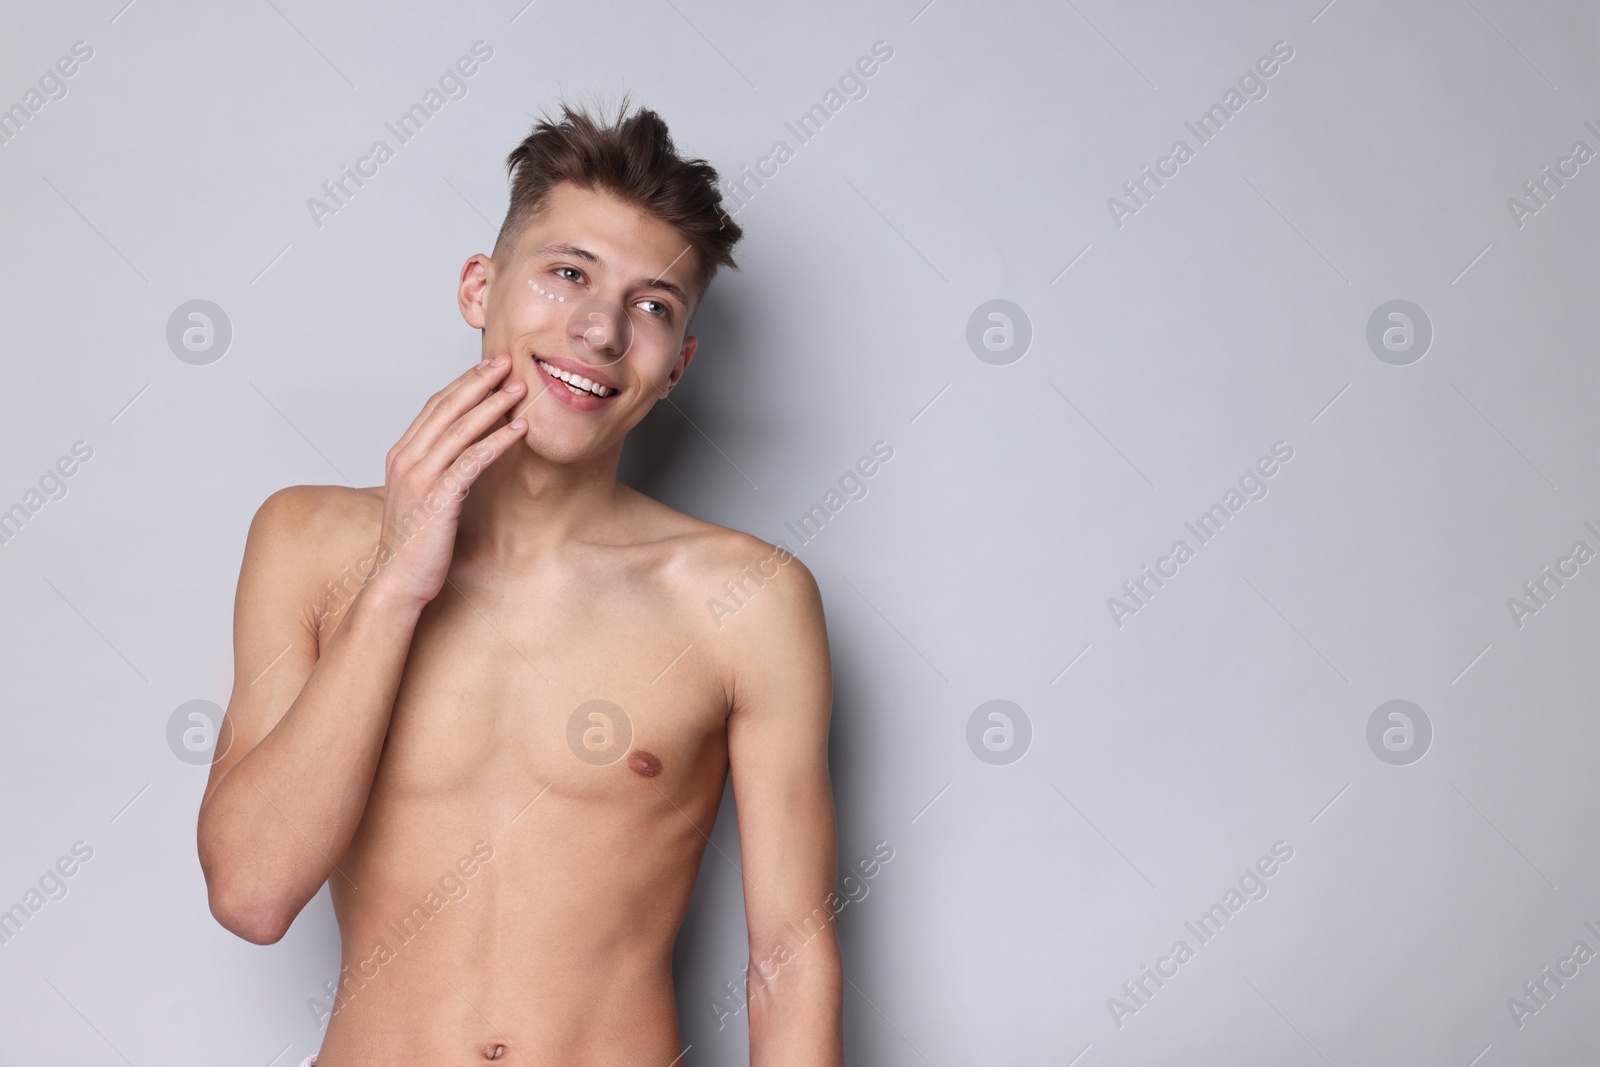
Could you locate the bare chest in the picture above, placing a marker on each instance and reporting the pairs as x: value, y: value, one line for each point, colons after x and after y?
x: 587, y: 696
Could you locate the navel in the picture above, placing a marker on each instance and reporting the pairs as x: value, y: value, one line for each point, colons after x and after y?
x: 494, y: 1052
x: 644, y: 764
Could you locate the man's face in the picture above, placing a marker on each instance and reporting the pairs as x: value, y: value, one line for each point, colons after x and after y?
x: 594, y: 288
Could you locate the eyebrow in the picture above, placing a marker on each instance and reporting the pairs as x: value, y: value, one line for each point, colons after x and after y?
x: 576, y: 252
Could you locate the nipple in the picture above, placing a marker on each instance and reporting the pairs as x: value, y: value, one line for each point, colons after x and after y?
x: 644, y: 764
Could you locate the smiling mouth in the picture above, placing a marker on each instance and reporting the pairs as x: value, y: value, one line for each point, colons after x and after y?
x: 579, y: 385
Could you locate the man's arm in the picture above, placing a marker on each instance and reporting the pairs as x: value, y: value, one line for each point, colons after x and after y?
x: 285, y: 797
x: 778, y: 753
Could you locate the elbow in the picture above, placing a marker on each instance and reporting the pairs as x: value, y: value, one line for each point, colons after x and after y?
x: 237, y: 898
x: 241, y: 904
x: 257, y: 922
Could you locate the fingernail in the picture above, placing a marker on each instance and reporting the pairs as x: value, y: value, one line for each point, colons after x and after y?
x: 498, y: 361
x: 519, y: 424
x: 514, y: 386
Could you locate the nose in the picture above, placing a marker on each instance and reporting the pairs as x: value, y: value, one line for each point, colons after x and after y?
x: 599, y: 332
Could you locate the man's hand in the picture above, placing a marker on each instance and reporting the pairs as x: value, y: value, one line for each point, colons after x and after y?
x: 428, y: 473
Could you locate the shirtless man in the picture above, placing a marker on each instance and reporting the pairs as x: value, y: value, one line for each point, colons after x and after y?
x: 498, y: 724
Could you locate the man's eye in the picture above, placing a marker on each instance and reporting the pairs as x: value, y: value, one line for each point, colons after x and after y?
x: 664, y: 311
x: 578, y: 274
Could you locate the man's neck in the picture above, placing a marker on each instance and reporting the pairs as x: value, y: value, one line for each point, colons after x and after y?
x: 525, y: 505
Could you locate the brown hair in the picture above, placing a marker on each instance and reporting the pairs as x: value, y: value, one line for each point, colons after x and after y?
x: 634, y: 159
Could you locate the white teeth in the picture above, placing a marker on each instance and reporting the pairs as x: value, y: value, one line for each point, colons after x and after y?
x: 579, y: 385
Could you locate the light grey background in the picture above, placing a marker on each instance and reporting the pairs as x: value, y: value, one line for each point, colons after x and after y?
x: 1168, y: 354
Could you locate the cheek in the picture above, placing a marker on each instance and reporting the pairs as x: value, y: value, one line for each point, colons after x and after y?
x: 523, y: 323
x: 517, y: 308
x: 660, y: 342
x: 538, y: 293
x: 540, y: 314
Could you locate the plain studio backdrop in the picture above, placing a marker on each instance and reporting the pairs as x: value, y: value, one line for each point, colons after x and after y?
x: 1306, y: 288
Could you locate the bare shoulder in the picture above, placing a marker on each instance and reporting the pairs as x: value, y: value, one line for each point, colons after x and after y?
x: 722, y: 572
x: 305, y: 536
x: 314, y: 512
x: 760, y: 612
x: 308, y: 521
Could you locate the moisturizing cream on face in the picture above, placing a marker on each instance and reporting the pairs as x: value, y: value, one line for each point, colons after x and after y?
x: 545, y: 292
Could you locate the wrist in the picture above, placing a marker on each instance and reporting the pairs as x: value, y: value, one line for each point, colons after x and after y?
x: 383, y: 600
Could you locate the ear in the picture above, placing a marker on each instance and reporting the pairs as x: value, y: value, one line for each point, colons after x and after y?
x: 685, y: 354
x: 472, y: 293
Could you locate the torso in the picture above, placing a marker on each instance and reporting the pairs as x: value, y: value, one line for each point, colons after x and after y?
x: 557, y: 946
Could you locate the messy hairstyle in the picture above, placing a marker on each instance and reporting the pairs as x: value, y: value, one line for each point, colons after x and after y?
x: 632, y: 158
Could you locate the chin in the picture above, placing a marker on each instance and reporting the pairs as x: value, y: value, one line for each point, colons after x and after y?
x: 555, y: 447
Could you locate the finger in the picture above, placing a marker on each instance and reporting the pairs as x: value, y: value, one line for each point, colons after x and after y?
x: 457, y: 402
x: 471, y: 424
x: 475, y: 382
x: 465, y: 470
x: 433, y: 402
x: 446, y: 406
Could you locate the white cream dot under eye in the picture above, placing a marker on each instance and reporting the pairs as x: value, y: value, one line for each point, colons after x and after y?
x: 547, y: 295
